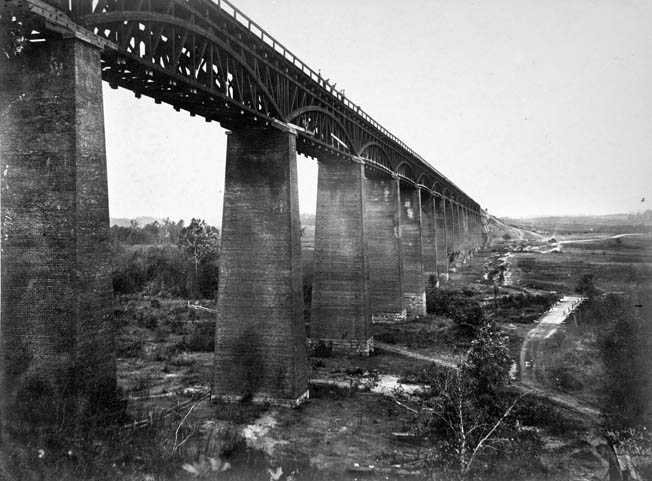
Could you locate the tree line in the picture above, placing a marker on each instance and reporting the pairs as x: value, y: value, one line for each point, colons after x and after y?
x: 168, y: 259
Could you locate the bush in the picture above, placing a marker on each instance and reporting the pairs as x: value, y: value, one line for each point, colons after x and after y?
x: 488, y: 362
x: 541, y: 413
x: 323, y: 349
x: 202, y: 338
x: 164, y: 271
x: 460, y: 307
x: 586, y: 286
x: 625, y: 345
x: 152, y: 270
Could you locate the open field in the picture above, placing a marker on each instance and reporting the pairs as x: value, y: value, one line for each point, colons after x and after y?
x: 617, y: 264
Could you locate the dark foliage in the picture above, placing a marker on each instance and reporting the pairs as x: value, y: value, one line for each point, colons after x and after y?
x: 151, y: 270
x: 625, y: 344
x: 488, y: 362
x: 323, y: 349
x: 586, y: 286
x: 165, y: 232
x: 459, y: 306
x: 166, y: 270
x: 202, y: 338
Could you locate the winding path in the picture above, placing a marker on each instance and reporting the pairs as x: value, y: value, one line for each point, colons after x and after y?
x: 533, y: 355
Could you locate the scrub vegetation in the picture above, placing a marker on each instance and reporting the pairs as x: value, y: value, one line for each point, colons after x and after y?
x: 386, y: 416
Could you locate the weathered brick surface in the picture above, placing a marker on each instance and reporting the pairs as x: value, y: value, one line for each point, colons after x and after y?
x: 56, y: 334
x: 428, y: 244
x: 478, y: 230
x: 383, y: 249
x: 440, y: 237
x: 340, y: 310
x: 464, y: 231
x: 260, y: 350
x: 414, y: 294
x: 451, y: 230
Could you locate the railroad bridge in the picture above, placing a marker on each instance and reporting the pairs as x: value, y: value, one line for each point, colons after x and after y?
x: 388, y: 224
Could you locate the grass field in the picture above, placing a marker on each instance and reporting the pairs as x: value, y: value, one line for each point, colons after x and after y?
x: 617, y: 265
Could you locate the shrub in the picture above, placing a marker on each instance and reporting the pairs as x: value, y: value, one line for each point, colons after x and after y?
x: 153, y: 270
x: 586, y: 286
x: 202, y: 338
x: 625, y: 344
x: 460, y: 307
x: 488, y: 361
x: 323, y: 349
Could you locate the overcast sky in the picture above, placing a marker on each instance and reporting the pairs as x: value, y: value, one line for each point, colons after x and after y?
x: 530, y: 106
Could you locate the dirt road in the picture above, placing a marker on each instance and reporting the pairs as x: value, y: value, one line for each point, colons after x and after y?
x: 381, y: 346
x: 532, y: 359
x: 533, y: 355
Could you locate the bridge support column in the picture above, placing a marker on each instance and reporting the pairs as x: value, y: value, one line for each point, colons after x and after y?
x: 428, y: 240
x: 414, y: 294
x: 466, y: 241
x: 340, y: 312
x: 383, y: 248
x: 260, y: 351
x: 57, y: 364
x: 440, y: 238
x: 451, y: 233
x: 459, y: 241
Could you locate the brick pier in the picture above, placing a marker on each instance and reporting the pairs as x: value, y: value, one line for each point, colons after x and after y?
x: 56, y: 334
x: 260, y: 350
x: 341, y: 312
x: 383, y: 248
x: 414, y: 294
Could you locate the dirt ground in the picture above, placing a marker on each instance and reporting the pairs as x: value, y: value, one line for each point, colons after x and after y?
x: 349, y: 430
x: 352, y: 427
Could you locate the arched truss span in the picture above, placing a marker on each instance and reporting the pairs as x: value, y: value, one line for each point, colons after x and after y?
x: 374, y: 151
x: 321, y: 125
x: 424, y: 179
x: 436, y: 188
x: 183, y: 48
x: 406, y: 171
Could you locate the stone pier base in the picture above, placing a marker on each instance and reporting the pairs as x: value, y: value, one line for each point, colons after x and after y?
x: 264, y: 399
x: 363, y: 348
x: 389, y: 317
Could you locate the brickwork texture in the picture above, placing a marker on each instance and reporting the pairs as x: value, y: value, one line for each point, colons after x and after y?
x: 414, y: 294
x: 340, y: 309
x: 383, y: 248
x: 440, y: 237
x: 428, y: 243
x: 56, y: 334
x: 260, y: 350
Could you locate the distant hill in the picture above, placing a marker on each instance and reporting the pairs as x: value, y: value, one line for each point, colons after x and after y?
x: 498, y: 229
x: 610, y: 219
x: 585, y: 223
x: 125, y: 222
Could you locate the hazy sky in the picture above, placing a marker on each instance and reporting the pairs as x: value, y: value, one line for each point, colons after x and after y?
x: 530, y: 106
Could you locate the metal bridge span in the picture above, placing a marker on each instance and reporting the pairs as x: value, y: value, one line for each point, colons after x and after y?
x: 389, y: 225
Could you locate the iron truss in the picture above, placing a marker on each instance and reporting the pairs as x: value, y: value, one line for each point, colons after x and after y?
x: 208, y: 58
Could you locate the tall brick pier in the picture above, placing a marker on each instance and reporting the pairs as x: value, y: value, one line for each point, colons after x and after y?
x: 341, y: 312
x: 56, y: 333
x: 260, y: 351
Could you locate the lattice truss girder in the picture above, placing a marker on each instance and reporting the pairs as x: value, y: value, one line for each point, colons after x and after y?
x: 206, y: 57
